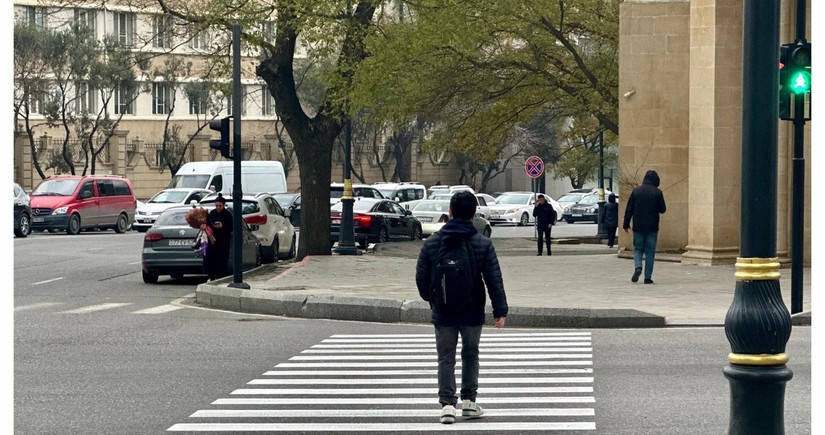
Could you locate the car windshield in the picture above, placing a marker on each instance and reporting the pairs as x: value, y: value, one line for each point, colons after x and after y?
x: 189, y: 180
x: 173, y: 217
x: 359, y: 206
x: 249, y: 207
x: 388, y: 193
x: 508, y: 199
x: 56, y: 188
x: 570, y: 197
x: 168, y: 197
x: 589, y: 199
x: 285, y: 198
x: 441, y: 197
x: 442, y: 206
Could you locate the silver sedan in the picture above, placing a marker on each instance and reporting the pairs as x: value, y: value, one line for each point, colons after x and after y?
x: 433, y: 214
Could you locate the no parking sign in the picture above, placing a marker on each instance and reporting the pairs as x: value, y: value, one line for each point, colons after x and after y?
x: 534, y: 167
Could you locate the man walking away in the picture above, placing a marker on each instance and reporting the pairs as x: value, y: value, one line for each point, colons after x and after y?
x: 545, y: 216
x: 644, y: 206
x: 448, y: 275
x: 611, y: 219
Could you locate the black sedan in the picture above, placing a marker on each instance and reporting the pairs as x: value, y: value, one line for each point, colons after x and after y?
x: 376, y: 220
x: 167, y: 247
x: 587, y: 210
x: 291, y: 203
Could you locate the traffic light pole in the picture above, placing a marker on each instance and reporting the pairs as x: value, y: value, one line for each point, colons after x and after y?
x: 798, y: 187
x: 601, y: 233
x: 237, y: 192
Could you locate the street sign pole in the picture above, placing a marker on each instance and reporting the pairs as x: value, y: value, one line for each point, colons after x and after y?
x: 534, y: 168
x: 237, y: 192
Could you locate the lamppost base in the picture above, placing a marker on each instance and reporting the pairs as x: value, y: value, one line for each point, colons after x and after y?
x: 241, y: 285
x: 757, y: 396
x: 346, y: 249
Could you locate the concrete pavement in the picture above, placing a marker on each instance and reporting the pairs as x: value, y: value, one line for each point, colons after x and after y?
x: 581, y: 285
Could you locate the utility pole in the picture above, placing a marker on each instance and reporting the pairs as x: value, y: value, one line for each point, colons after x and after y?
x: 237, y: 192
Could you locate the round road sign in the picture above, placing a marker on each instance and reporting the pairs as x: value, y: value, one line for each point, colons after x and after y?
x: 534, y: 167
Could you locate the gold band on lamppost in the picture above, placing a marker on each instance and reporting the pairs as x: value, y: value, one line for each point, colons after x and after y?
x: 757, y: 269
x: 347, y: 189
x: 763, y: 359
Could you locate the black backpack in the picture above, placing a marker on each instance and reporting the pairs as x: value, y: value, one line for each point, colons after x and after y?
x: 454, y: 275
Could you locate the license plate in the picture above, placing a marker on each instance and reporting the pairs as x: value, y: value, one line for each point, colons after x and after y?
x: 494, y: 214
x: 38, y: 219
x: 146, y: 221
x: 425, y: 219
x: 336, y: 221
x: 177, y: 242
x: 577, y: 215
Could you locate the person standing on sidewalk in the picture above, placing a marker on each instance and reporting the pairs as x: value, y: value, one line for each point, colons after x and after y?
x: 219, y: 224
x: 546, y: 217
x: 644, y: 206
x: 611, y: 219
x: 448, y: 275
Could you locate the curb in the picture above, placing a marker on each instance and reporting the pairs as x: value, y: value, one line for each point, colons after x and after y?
x: 407, y: 311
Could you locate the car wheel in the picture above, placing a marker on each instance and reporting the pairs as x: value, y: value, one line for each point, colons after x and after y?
x: 271, y: 252
x: 122, y: 223
x: 492, y: 224
x: 488, y: 231
x: 416, y: 233
x: 141, y: 229
x: 24, y: 227
x: 384, y: 235
x: 524, y: 220
x: 569, y: 221
x: 176, y: 275
x: 74, y: 225
x: 149, y: 278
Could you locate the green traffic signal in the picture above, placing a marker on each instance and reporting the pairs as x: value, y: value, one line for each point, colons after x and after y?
x: 800, y: 82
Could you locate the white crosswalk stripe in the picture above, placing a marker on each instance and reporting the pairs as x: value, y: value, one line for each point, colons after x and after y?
x: 528, y: 382
x: 162, y: 309
x: 90, y: 309
x: 93, y: 308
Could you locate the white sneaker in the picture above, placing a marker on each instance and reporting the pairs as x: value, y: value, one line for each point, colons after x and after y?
x: 471, y: 409
x: 448, y: 414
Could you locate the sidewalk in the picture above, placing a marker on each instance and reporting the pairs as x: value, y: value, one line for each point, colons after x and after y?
x: 581, y: 285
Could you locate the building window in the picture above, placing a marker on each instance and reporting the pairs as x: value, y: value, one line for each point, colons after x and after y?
x: 37, y: 91
x: 34, y: 16
x: 199, y: 39
x: 162, y: 31
x: 161, y: 98
x: 198, y: 102
x: 266, y: 101
x: 88, y: 18
x: 268, y: 31
x: 124, y: 28
x: 85, y: 98
x: 229, y: 106
x: 124, y: 101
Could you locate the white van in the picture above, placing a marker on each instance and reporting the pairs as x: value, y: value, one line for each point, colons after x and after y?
x: 256, y: 176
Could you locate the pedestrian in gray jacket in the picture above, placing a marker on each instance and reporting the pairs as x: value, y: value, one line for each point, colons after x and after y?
x: 469, y: 318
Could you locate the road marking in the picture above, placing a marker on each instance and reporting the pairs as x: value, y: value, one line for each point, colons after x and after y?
x: 425, y: 357
x: 383, y: 400
x: 432, y: 339
x: 433, y: 364
x: 36, y: 306
x: 377, y: 427
x: 93, y: 308
x: 420, y: 372
x: 425, y: 381
x: 134, y: 263
x: 159, y: 309
x: 47, y: 281
x: 400, y: 391
x: 489, y: 349
x: 327, y: 413
x: 425, y: 346
x: 484, y: 337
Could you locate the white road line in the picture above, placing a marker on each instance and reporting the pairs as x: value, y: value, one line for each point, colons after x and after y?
x: 433, y: 364
x: 335, y: 413
x: 383, y: 400
x: 397, y: 391
x: 92, y: 308
x: 414, y: 381
x: 430, y: 356
x: 378, y: 427
x: 484, y: 339
x: 432, y: 345
x: 48, y: 281
x: 134, y: 263
x: 161, y: 309
x: 483, y: 350
x: 36, y: 306
x: 534, y: 334
x: 420, y: 372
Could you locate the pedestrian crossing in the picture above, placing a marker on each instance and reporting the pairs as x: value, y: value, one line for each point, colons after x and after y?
x: 529, y: 382
x: 98, y: 308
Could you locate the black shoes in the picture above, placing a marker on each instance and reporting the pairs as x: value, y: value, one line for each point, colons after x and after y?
x: 538, y: 255
x: 648, y: 281
x: 636, y: 273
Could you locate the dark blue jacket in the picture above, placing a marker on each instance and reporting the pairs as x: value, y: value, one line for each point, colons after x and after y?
x: 486, y: 264
x: 645, y: 204
x: 611, y: 212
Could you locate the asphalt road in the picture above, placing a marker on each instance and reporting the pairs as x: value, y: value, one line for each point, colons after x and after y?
x: 97, y: 351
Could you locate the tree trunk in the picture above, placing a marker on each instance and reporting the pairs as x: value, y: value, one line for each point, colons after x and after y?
x: 314, y: 155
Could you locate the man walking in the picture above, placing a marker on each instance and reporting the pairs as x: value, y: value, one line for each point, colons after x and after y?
x: 545, y: 216
x: 448, y: 275
x: 644, y: 206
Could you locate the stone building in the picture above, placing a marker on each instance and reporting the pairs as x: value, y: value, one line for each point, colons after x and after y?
x: 680, y: 113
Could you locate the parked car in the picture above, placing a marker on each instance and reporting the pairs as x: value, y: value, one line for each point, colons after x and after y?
x: 167, y: 247
x: 336, y: 191
x: 406, y: 193
x: 376, y: 220
x: 267, y: 220
x: 587, y: 209
x: 291, y: 203
x: 568, y: 199
x: 256, y: 176
x: 22, y: 212
x: 517, y: 208
x: 433, y: 214
x: 449, y: 190
x: 148, y: 211
x: 73, y: 203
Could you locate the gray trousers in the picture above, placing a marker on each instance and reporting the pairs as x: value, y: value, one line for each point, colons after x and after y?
x: 446, y: 342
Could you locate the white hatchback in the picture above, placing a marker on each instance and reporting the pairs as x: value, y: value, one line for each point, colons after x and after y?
x: 147, y: 212
x: 268, y: 222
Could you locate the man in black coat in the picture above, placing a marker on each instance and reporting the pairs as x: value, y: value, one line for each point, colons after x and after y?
x: 644, y: 206
x: 469, y: 320
x: 611, y: 219
x: 546, y: 217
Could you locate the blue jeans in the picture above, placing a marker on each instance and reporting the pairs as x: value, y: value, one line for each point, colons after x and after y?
x: 644, y: 243
x: 446, y: 341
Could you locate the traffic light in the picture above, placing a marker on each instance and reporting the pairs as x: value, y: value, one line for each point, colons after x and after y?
x: 222, y: 144
x: 794, y: 76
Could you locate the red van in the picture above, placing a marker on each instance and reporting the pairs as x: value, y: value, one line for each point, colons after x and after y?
x: 73, y: 202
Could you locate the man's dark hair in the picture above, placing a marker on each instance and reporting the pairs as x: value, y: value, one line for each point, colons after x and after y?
x: 463, y: 205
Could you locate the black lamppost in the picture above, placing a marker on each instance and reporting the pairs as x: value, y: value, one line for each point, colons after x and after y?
x: 601, y: 233
x: 758, y: 325
x: 346, y: 237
